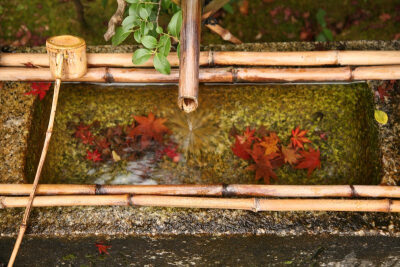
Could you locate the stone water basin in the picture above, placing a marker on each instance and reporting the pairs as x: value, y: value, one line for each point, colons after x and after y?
x: 338, y: 117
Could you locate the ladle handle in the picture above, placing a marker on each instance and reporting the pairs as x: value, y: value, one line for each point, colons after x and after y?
x: 22, y: 228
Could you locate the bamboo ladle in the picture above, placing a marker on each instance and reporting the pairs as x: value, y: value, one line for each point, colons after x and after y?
x: 67, y: 60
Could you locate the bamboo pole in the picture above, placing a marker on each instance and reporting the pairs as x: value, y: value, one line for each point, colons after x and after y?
x: 67, y: 57
x: 350, y: 191
x: 253, y: 204
x: 212, y: 75
x: 189, y: 60
x: 228, y: 58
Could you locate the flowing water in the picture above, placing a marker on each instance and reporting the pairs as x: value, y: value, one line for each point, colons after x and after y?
x: 338, y: 117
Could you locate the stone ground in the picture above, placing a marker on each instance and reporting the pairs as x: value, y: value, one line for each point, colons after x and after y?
x: 208, y: 251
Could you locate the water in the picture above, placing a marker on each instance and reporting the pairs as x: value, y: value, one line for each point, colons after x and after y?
x: 341, y: 114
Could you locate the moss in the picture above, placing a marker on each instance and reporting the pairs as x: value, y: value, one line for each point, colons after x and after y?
x: 344, y: 112
x: 47, y: 18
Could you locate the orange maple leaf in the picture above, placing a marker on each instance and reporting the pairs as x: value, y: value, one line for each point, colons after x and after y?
x: 270, y: 143
x: 149, y: 128
x: 311, y: 160
x: 290, y: 155
x: 298, y: 138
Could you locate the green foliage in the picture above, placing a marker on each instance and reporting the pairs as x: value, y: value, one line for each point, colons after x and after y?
x: 325, y: 34
x: 142, y: 20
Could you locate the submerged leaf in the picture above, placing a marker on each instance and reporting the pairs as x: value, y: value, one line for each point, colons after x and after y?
x: 381, y: 117
x: 310, y: 160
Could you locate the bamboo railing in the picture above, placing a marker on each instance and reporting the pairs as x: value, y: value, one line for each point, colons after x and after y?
x: 229, y: 58
x: 213, y: 75
x: 311, y: 191
x: 253, y: 204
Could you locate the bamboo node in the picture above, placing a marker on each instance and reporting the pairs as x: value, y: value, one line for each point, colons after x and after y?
x: 226, y: 192
x: 256, y: 206
x: 211, y: 58
x: 108, y: 77
x: 129, y: 199
x: 98, y: 189
x: 390, y: 203
x: 337, y: 57
x: 353, y: 191
x: 234, y: 72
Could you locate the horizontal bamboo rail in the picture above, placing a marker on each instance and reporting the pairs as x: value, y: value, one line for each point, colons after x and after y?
x: 229, y: 58
x: 253, y: 204
x: 214, y: 75
x: 375, y: 191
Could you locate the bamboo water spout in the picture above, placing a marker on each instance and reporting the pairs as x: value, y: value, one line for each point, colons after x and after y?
x: 189, y: 60
x: 67, y: 57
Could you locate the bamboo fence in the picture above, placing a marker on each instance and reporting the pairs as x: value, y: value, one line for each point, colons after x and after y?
x: 313, y: 191
x: 213, y: 75
x: 229, y: 58
x: 253, y: 204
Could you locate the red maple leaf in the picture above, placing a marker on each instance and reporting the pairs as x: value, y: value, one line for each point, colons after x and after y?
x: 171, y: 152
x: 39, y: 89
x: 102, y: 248
x: 83, y: 132
x: 93, y: 156
x: 243, y: 144
x: 149, y: 128
x: 298, y: 138
x: 102, y: 143
x: 241, y: 149
x: 262, y: 164
x: 311, y: 160
x: 384, y: 88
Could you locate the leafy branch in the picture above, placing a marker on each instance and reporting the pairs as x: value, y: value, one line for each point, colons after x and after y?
x: 142, y: 21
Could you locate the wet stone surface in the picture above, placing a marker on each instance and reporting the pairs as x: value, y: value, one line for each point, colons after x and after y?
x: 264, y: 250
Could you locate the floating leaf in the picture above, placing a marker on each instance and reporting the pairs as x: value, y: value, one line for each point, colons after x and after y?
x: 115, y: 156
x: 381, y: 117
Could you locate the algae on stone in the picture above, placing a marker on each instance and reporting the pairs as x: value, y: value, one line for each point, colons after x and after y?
x: 350, y: 155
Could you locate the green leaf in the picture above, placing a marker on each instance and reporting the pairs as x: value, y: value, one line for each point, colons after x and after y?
x: 150, y: 26
x: 129, y: 22
x: 103, y: 3
x: 174, y: 26
x: 381, y: 117
x: 137, y: 36
x: 132, y: 1
x: 321, y: 17
x: 133, y: 10
x: 178, y: 50
x: 165, y: 45
x: 228, y: 8
x: 120, y: 35
x: 149, y: 41
x: 159, y: 29
x: 141, y: 56
x: 143, y: 13
x: 142, y: 28
x: 328, y: 34
x: 161, y: 64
